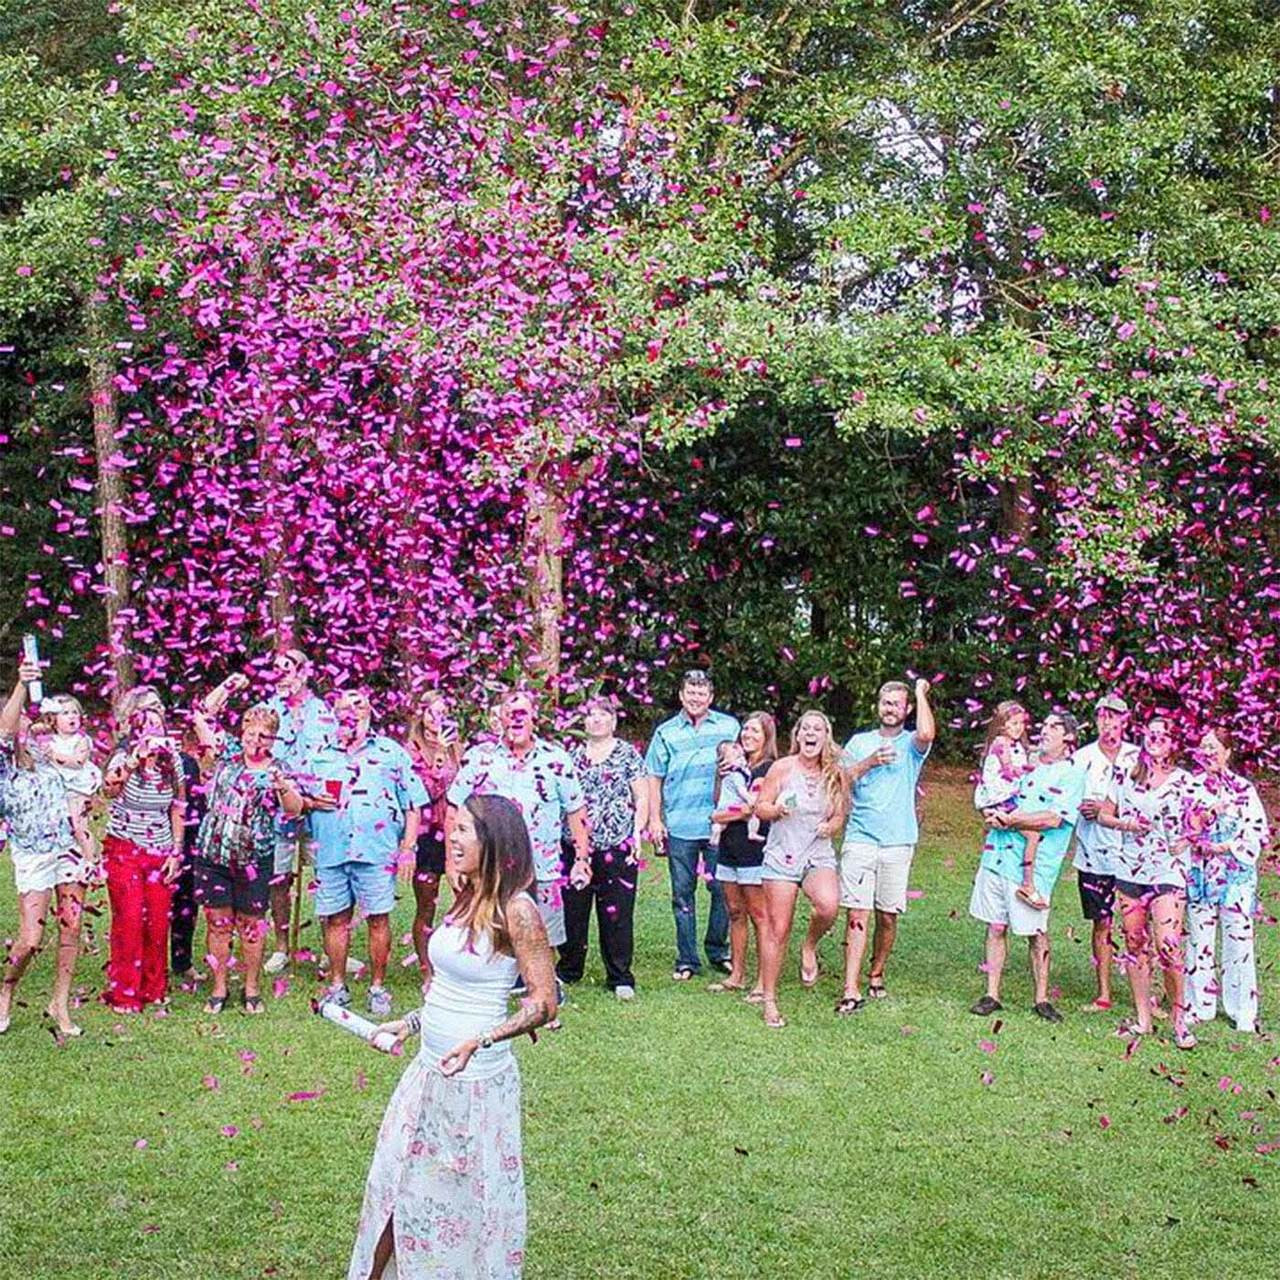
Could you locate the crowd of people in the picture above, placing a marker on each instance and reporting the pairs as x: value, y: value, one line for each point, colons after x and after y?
x: 535, y: 837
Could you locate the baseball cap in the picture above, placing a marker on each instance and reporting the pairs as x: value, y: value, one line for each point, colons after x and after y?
x: 1112, y: 701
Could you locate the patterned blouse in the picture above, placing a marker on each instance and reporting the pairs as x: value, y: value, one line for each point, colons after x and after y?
x: 239, y: 825
x: 141, y: 812
x: 611, y: 805
x: 33, y: 804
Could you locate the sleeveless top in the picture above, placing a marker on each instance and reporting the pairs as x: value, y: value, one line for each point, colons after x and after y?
x: 470, y: 985
x: 794, y: 843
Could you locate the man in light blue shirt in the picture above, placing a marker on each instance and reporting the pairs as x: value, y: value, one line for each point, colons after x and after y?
x: 681, y: 764
x: 307, y: 727
x: 1048, y: 802
x: 377, y: 806
x: 880, y: 838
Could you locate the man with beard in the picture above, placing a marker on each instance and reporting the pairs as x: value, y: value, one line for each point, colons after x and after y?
x: 880, y: 839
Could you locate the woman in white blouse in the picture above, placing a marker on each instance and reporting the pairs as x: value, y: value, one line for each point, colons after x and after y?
x: 1232, y: 834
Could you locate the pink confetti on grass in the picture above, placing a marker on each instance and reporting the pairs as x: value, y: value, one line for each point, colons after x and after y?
x: 228, y: 1131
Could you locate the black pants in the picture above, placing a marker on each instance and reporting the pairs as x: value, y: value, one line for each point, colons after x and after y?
x: 182, y: 914
x: 613, y: 889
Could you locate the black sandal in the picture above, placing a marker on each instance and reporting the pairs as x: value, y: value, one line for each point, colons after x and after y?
x: 253, y: 1004
x: 214, y: 1005
x: 848, y: 1005
x: 876, y: 988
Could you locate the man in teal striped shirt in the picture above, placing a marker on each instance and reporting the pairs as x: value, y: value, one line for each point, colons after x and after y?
x: 681, y: 764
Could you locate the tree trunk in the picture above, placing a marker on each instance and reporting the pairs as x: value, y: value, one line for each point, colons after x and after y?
x: 544, y: 556
x: 268, y: 442
x: 111, y: 501
x: 1015, y: 507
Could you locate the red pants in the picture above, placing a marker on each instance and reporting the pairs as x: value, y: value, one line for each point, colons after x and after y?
x: 138, y: 968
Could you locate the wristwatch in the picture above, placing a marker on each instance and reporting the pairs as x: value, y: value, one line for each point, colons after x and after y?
x: 486, y: 1040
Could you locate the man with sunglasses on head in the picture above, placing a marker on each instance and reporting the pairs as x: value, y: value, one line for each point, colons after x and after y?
x: 681, y: 765
x: 1104, y: 763
x: 1049, y: 802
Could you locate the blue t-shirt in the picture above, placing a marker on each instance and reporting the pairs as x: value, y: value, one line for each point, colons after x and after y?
x: 884, y: 798
x: 377, y: 787
x: 1059, y: 787
x: 683, y: 755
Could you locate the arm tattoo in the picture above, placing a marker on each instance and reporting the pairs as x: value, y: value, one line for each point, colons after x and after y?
x: 529, y: 940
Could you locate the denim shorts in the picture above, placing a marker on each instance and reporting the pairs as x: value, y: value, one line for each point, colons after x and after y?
x: 371, y: 884
x: 739, y: 875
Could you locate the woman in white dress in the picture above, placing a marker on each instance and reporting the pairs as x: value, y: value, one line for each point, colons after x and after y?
x: 445, y: 1194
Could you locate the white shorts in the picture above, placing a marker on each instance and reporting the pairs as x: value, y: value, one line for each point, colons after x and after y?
x: 549, y: 895
x: 35, y: 873
x: 875, y: 875
x: 995, y: 901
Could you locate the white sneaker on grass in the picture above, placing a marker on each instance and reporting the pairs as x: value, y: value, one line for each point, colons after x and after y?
x: 277, y: 961
x: 625, y: 991
x: 380, y: 1002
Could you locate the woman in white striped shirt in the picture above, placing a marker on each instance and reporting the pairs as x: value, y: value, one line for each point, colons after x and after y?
x: 142, y: 851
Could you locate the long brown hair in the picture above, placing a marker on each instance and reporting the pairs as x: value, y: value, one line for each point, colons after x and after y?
x: 769, y: 728
x: 999, y: 720
x: 833, y: 779
x: 505, y: 870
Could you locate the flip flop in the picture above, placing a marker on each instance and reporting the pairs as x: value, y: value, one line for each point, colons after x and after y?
x: 214, y: 1005
x: 254, y: 1005
x: 716, y: 988
x: 753, y: 997
x: 876, y: 988
x: 848, y: 1005
x: 810, y: 977
x: 682, y: 975
x: 777, y: 1021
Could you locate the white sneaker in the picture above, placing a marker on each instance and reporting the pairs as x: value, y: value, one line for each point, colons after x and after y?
x: 624, y: 992
x: 277, y: 962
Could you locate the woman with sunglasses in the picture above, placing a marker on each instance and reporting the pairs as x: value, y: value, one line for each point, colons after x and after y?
x: 1149, y: 806
x: 142, y: 851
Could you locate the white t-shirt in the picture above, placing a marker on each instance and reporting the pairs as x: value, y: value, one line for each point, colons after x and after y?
x: 1161, y: 854
x: 1096, y: 845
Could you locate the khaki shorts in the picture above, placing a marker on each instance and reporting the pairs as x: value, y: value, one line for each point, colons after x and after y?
x: 995, y: 901
x: 875, y: 875
x: 549, y: 895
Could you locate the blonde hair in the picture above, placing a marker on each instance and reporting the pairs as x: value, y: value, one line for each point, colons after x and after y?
x: 833, y: 778
x: 261, y: 714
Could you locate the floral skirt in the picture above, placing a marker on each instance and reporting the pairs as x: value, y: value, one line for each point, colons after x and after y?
x: 448, y: 1172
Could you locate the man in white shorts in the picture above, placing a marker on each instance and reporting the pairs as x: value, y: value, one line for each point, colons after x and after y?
x: 880, y: 839
x: 1048, y: 802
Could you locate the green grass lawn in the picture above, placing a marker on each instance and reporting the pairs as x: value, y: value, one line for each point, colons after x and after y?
x: 677, y: 1137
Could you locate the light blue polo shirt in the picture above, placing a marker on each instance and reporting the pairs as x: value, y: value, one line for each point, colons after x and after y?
x: 305, y: 731
x: 683, y: 755
x: 884, y: 798
x: 543, y: 785
x: 1058, y: 786
x: 379, y: 787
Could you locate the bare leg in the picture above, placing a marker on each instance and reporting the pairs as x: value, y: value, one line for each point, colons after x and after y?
x: 1104, y: 951
x: 735, y: 904
x: 31, y: 912
x: 997, y: 953
x: 426, y: 889
x: 1038, y: 953
x: 70, y: 911
x: 780, y: 906
x: 384, y: 1250
x: 882, y: 944
x: 379, y: 947
x: 855, y: 947
x: 253, y: 940
x: 1137, y: 958
x: 218, y: 926
x: 822, y: 888
x: 337, y: 943
x: 753, y: 896
x: 1167, y: 913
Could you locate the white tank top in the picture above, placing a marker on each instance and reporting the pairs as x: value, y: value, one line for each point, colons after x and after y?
x: 470, y: 986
